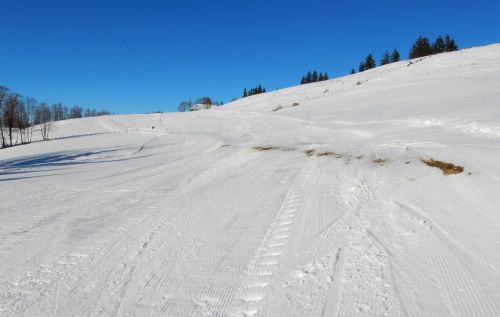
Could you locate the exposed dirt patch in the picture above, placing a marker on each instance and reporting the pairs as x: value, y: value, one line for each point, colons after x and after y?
x: 412, y: 62
x: 265, y: 148
x: 379, y: 161
x: 278, y: 108
x: 447, y: 168
x: 273, y: 148
x: 309, y: 152
x: 328, y: 153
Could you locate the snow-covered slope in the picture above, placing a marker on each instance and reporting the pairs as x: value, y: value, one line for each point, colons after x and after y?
x: 308, y: 201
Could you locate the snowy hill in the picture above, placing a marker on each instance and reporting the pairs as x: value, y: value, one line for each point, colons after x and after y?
x: 308, y: 201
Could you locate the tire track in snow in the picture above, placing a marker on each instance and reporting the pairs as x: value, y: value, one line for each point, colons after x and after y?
x: 463, y: 293
x: 113, y: 266
x: 252, y: 298
x: 330, y: 203
x: 231, y: 246
x: 363, y: 285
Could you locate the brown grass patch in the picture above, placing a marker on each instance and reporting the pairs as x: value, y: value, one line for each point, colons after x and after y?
x: 447, y: 168
x: 273, y: 148
x: 325, y: 153
x: 328, y: 153
x: 265, y: 148
x: 379, y: 161
x: 310, y: 152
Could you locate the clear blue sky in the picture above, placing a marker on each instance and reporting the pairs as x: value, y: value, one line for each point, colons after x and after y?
x: 139, y: 56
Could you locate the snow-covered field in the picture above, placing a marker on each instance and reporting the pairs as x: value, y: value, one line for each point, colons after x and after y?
x: 228, y: 212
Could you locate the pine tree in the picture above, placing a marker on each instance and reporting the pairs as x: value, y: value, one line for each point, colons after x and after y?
x: 303, y: 80
x: 308, y: 77
x: 420, y: 48
x: 320, y: 78
x: 385, y: 59
x: 353, y: 71
x: 395, y: 57
x: 245, y: 94
x: 370, y: 62
x: 362, y: 67
x: 314, y: 77
x: 438, y: 46
x: 325, y: 76
x: 450, y: 45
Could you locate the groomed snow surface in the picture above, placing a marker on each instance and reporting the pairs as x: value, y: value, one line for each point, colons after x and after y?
x: 229, y: 212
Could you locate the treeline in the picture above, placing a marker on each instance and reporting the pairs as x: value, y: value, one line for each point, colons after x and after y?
x: 370, y: 62
x: 19, y: 116
x: 422, y: 47
x: 253, y: 91
x: 313, y: 77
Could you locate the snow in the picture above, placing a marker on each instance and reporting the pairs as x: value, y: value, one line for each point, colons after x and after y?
x: 222, y: 212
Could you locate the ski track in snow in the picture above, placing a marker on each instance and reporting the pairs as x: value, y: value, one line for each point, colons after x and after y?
x: 227, y: 212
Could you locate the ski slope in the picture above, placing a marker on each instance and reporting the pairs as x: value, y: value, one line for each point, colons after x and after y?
x: 322, y: 207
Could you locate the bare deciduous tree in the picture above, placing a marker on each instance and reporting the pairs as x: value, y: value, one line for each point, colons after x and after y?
x: 185, y: 105
x: 42, y: 118
x: 3, y: 96
x: 204, y: 101
x: 9, y: 115
x: 31, y: 105
x: 75, y: 112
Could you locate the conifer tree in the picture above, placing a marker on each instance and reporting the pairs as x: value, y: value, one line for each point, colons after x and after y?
x: 314, y: 77
x: 438, y: 46
x: 450, y: 45
x: 420, y: 48
x: 320, y: 78
x: 370, y: 62
x: 303, y: 80
x: 245, y: 94
x: 386, y: 59
x: 353, y: 71
x: 362, y: 67
x: 395, y: 57
x: 308, y: 77
x: 325, y: 76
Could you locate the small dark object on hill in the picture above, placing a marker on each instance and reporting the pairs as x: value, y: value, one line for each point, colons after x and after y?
x: 328, y: 153
x: 265, y: 148
x: 310, y: 152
